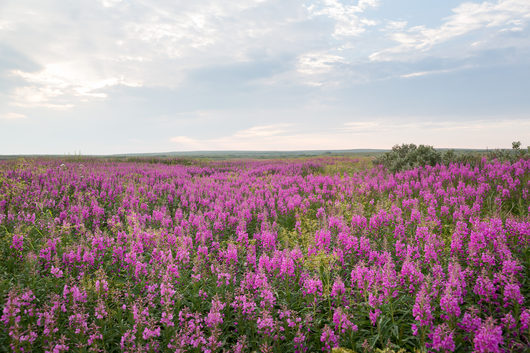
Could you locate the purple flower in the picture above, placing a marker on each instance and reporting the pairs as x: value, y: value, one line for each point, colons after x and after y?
x: 525, y: 319
x: 422, y: 308
x: 329, y: 339
x: 488, y: 338
x: 373, y: 315
x: 150, y: 333
x: 17, y: 242
x: 512, y: 293
x: 215, y: 317
x: 442, y: 339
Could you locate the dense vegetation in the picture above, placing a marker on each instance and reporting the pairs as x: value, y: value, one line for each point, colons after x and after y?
x: 269, y: 256
x: 409, y: 156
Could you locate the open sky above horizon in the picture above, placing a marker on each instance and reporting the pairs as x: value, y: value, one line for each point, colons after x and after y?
x: 118, y: 76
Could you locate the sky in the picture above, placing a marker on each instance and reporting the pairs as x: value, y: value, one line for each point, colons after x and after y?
x: 117, y: 76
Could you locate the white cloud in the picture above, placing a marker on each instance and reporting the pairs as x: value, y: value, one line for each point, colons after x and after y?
x: 319, y: 69
x: 51, y: 86
x: 395, y: 25
x: 5, y: 25
x: 110, y: 3
x: 254, y: 57
x: 242, y: 139
x: 435, y: 72
x: 12, y: 116
x: 362, y: 126
x: 399, y: 123
x: 187, y: 143
x: 374, y: 133
x: 466, y: 18
x: 262, y: 131
x: 187, y: 29
x: 156, y: 43
x: 348, y: 19
x: 317, y: 63
x: 36, y: 96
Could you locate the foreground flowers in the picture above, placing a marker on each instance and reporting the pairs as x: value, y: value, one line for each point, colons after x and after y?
x: 263, y: 256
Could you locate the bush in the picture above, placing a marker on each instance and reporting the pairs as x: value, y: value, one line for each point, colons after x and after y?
x: 512, y: 155
x: 409, y: 156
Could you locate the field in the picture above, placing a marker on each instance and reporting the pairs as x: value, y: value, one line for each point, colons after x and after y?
x: 286, y: 255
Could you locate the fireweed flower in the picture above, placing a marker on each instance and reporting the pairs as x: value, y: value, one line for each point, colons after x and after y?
x: 470, y: 322
x: 512, y: 294
x: 442, y: 339
x: 100, y: 311
x: 329, y: 339
x: 525, y: 320
x: 450, y: 303
x: 338, y: 288
x: 373, y: 315
x: 422, y: 310
x: 488, y: 338
x: 508, y: 322
x: 215, y: 317
x: 57, y: 272
x: 150, y: 333
x: 342, y: 322
x: 266, y: 324
x: 312, y: 286
x: 17, y: 242
x: 485, y: 288
x: 190, y: 254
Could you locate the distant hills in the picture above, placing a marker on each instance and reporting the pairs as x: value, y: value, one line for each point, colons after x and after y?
x: 255, y: 154
x: 232, y: 154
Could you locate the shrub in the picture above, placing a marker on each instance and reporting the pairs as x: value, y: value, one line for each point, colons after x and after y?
x: 409, y: 156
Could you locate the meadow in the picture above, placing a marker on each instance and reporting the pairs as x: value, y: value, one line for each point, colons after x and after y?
x: 286, y: 255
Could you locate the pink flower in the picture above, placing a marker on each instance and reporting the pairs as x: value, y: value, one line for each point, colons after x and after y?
x: 148, y: 333
x: 422, y: 308
x: 374, y: 314
x: 488, y: 338
x: 442, y: 339
x: 57, y: 272
x: 17, y: 242
x: 329, y: 339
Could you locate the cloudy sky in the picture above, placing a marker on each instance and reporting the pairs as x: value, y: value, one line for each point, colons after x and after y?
x: 114, y: 76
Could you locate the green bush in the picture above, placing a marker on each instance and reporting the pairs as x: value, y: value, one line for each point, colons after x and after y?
x: 409, y: 156
x: 512, y: 155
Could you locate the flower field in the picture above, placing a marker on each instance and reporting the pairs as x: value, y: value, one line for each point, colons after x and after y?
x: 302, y: 255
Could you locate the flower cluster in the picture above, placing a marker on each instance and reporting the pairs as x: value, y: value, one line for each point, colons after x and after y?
x: 275, y: 256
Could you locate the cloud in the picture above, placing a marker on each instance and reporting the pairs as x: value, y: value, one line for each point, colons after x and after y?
x: 348, y: 19
x: 190, y: 29
x: 395, y: 25
x: 476, y: 126
x: 5, y: 25
x: 468, y: 17
x: 423, y: 123
x: 12, y: 116
x: 362, y: 126
x: 435, y: 72
x: 320, y: 68
x: 262, y: 131
x: 317, y: 63
x: 241, y: 139
x: 54, y: 86
x: 249, y: 66
x: 158, y: 43
x: 110, y: 3
x: 187, y: 143
x: 377, y: 133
